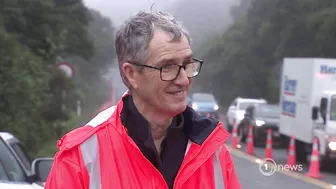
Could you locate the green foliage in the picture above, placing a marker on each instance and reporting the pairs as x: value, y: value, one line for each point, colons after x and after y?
x: 49, y: 28
x: 37, y: 101
x: 245, y: 60
x: 102, y: 34
x: 23, y: 84
x: 90, y: 74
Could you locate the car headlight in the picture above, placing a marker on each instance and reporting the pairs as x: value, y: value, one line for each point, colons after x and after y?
x: 216, y: 107
x: 332, y: 146
x: 194, y: 106
x: 259, y: 123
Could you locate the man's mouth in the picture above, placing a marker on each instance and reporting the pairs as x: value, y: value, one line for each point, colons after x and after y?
x: 177, y: 93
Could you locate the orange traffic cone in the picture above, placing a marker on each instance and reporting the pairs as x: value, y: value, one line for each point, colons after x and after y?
x: 314, y: 167
x: 268, y: 151
x: 250, y: 144
x: 291, y: 152
x: 234, y: 142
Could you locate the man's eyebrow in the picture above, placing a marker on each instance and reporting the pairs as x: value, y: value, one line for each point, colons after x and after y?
x: 166, y: 60
x: 188, y: 57
x: 173, y: 60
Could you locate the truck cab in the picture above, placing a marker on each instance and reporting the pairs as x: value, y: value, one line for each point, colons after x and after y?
x: 324, y: 117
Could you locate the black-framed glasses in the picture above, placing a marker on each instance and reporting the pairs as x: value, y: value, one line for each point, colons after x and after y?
x: 171, y: 72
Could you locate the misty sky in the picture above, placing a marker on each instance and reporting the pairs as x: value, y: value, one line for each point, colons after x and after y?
x: 119, y: 10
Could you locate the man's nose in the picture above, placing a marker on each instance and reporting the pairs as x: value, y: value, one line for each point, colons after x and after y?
x: 182, y: 78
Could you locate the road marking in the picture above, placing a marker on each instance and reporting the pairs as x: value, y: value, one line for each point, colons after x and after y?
x: 293, y: 174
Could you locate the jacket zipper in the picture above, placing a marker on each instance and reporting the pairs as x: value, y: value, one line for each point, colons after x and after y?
x: 183, y: 165
x: 187, y: 162
x: 154, y: 170
x: 158, y: 172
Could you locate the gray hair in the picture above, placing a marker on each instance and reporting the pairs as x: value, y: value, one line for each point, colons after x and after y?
x: 134, y: 36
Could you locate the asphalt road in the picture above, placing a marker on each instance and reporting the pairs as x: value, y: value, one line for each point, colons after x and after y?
x: 251, y: 177
x: 248, y: 170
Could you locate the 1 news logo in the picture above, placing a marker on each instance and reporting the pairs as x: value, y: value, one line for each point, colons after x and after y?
x: 268, y: 167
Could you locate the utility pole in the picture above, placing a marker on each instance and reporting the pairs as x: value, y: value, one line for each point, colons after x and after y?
x: 79, y: 108
x: 69, y: 72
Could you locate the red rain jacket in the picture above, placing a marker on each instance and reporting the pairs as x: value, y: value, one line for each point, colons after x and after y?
x: 101, y: 155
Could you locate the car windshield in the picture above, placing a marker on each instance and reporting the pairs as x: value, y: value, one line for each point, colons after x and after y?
x: 271, y: 111
x: 23, y: 155
x: 10, y: 168
x: 3, y: 173
x: 203, y: 97
x: 244, y: 105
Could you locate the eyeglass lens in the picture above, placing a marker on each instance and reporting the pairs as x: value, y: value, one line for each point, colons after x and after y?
x: 171, y: 72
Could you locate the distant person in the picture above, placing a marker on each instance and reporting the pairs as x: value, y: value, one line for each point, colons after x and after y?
x: 151, y: 139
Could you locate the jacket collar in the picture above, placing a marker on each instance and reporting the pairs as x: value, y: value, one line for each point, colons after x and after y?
x: 197, y: 127
x: 138, y: 126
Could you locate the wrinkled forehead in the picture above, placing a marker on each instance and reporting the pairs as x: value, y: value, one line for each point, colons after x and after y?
x: 164, y: 46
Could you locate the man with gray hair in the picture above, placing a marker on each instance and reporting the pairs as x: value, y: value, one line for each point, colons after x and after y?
x: 151, y: 139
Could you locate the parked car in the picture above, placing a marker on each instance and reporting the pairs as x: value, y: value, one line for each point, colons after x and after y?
x: 236, y: 111
x: 16, y: 168
x: 262, y: 117
x: 205, y: 104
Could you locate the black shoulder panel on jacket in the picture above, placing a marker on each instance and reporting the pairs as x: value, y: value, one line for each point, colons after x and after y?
x: 198, y: 127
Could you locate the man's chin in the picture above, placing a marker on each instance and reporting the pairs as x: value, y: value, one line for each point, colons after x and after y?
x: 176, y: 109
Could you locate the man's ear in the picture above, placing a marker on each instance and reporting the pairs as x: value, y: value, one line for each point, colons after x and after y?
x: 131, y: 74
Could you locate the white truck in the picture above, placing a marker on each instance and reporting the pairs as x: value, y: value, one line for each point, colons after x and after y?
x: 308, y: 106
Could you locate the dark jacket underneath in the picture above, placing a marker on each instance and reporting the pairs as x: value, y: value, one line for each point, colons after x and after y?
x: 172, y: 147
